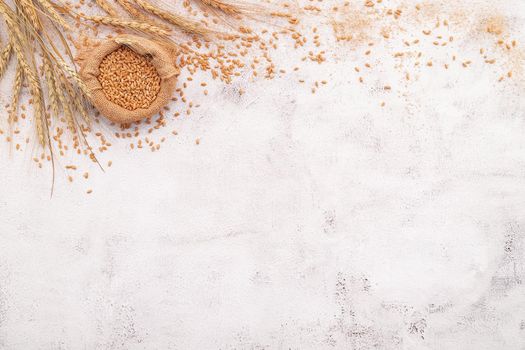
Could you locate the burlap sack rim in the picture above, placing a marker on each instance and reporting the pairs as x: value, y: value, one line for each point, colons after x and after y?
x: 161, y: 60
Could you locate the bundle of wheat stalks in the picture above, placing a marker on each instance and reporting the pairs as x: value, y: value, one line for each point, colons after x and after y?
x: 39, y: 43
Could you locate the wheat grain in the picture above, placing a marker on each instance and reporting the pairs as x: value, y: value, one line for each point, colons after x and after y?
x: 128, y: 79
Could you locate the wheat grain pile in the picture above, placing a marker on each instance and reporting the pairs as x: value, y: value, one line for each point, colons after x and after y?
x: 129, y: 79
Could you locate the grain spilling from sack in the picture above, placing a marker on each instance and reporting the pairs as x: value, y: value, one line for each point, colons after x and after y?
x: 129, y: 79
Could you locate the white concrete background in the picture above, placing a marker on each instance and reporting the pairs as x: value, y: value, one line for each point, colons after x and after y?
x: 300, y: 222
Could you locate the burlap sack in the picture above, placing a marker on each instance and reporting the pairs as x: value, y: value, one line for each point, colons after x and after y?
x: 162, y: 60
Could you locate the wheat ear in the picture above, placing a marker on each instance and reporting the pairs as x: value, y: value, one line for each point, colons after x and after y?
x: 32, y: 76
x: 176, y: 20
x: 29, y: 10
x: 65, y: 106
x: 77, y: 102
x: 80, y: 105
x: 137, y: 15
x: 5, y: 56
x: 16, y: 44
x: 129, y: 24
x: 39, y: 115
x: 51, y: 87
x: 107, y: 7
x: 81, y: 108
x: 135, y: 12
x: 126, y: 5
x: 38, y: 103
x: 49, y: 9
x: 73, y: 74
x: 17, y: 89
x: 222, y: 6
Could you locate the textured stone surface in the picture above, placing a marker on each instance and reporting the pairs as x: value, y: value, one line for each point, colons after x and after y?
x: 300, y: 222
